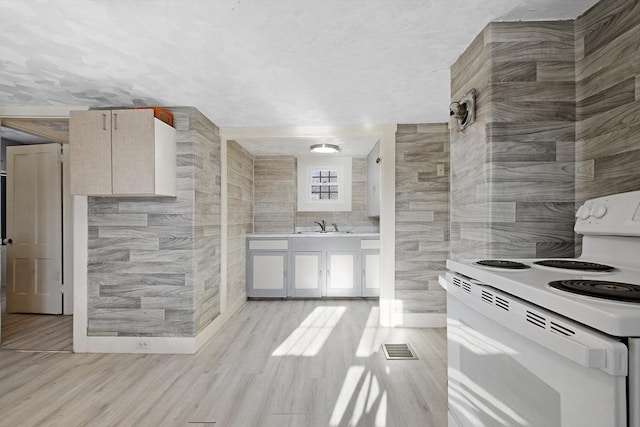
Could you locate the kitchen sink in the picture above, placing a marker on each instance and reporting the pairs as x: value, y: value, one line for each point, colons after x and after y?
x: 322, y: 232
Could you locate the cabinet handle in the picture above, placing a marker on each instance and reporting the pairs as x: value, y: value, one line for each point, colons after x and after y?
x: 104, y: 122
x: 115, y: 121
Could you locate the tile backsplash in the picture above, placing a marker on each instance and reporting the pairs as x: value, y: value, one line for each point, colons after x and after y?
x: 275, y: 181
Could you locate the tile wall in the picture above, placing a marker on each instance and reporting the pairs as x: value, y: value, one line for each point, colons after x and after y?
x: 422, y: 216
x: 356, y: 219
x: 471, y: 211
x: 513, y: 170
x: 239, y: 216
x: 608, y: 99
x: 153, y: 263
x: 275, y: 198
x: 274, y: 194
x: 207, y: 216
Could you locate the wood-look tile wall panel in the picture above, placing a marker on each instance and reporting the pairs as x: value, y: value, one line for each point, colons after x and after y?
x: 206, y: 218
x: 619, y: 95
x: 239, y: 216
x: 551, y: 33
x: 422, y: 216
x: 606, y: 21
x: 356, y: 219
x: 153, y: 263
x: 520, y: 154
x: 532, y: 118
x: 274, y: 194
x: 471, y: 69
x: 554, y: 71
x: 469, y: 150
x: 608, y: 104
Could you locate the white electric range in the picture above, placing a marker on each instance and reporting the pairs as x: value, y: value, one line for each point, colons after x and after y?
x: 551, y: 342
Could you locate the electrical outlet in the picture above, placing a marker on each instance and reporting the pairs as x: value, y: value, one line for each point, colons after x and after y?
x: 142, y: 345
x: 440, y: 169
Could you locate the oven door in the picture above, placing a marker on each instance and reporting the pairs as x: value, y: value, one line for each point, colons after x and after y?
x: 506, y: 370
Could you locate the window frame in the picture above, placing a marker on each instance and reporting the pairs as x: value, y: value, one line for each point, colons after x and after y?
x: 306, y: 166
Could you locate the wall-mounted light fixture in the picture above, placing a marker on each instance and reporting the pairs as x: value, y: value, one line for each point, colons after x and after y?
x: 324, y: 148
x: 464, y: 110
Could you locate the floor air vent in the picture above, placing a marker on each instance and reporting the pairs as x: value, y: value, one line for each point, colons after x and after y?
x: 398, y: 352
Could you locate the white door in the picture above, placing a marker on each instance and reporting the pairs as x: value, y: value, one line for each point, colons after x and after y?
x: 34, y: 229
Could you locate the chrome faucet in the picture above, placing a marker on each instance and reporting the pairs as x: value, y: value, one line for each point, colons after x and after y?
x: 335, y: 227
x: 322, y: 225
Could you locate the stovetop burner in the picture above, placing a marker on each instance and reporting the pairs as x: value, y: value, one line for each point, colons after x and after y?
x: 601, y: 289
x: 499, y: 263
x: 574, y: 265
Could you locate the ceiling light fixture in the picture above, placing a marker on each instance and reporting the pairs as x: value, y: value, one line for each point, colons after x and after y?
x: 324, y: 148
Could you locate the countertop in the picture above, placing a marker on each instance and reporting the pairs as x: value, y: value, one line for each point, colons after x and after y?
x: 328, y: 234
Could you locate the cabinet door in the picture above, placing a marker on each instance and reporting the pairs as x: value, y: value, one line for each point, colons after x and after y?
x: 307, y: 274
x: 133, y: 145
x: 373, y: 182
x: 90, y: 152
x: 267, y: 275
x: 370, y: 273
x: 342, y: 279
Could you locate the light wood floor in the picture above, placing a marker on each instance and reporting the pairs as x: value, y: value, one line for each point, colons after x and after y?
x: 301, y: 363
x: 34, y: 332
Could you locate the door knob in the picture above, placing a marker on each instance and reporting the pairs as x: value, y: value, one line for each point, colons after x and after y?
x: 7, y: 241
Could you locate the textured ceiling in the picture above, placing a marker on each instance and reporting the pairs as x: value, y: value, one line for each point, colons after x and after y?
x: 251, y: 63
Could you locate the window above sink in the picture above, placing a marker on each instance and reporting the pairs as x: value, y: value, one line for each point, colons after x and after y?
x: 324, y: 184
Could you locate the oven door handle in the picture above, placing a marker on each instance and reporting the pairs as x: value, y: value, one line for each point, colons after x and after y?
x: 569, y: 339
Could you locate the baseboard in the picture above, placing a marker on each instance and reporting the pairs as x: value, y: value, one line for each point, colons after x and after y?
x: 145, y: 345
x: 156, y: 345
x: 421, y: 320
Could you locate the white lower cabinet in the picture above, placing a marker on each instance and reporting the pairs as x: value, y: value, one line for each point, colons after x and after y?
x: 313, y: 267
x: 306, y: 280
x: 342, y: 280
x: 370, y: 273
x: 370, y: 262
x: 267, y: 268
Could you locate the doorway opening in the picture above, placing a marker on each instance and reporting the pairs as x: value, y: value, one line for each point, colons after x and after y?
x: 32, y: 152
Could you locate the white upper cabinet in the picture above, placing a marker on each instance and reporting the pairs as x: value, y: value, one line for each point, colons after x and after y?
x: 121, y: 153
x: 373, y: 182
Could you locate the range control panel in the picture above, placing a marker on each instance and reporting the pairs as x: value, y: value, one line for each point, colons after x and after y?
x: 616, y: 215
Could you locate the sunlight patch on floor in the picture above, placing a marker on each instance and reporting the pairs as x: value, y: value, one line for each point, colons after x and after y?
x: 308, y: 338
x: 360, y: 394
x: 372, y: 335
